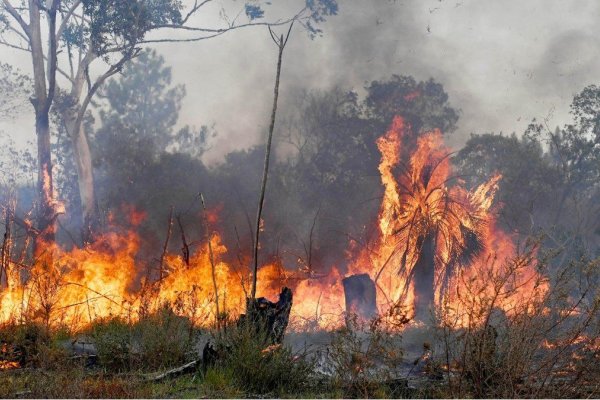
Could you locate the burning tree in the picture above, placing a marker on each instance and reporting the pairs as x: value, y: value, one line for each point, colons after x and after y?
x: 428, y: 227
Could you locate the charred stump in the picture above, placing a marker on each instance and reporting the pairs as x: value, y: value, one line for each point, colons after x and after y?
x: 271, y: 318
x: 361, y: 296
x: 264, y: 319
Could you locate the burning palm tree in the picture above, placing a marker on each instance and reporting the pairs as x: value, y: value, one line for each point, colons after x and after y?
x: 429, y: 221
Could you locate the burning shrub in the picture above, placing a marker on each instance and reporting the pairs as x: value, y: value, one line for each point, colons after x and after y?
x: 545, y: 344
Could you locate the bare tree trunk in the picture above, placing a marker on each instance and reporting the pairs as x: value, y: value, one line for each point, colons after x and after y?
x: 280, y: 42
x: 81, y: 149
x: 43, y: 97
x: 82, y: 157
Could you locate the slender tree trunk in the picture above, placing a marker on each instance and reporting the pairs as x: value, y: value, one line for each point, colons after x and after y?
x: 85, y: 179
x: 82, y: 155
x: 81, y: 149
x: 43, y: 97
x: 280, y: 42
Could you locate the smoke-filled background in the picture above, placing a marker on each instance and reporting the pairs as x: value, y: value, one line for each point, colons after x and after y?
x: 503, y: 63
x: 463, y: 66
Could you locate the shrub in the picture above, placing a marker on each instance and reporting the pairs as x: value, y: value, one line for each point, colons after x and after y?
x: 113, y: 341
x: 157, y: 341
x: 165, y: 339
x: 31, y: 345
x: 546, y: 345
x: 363, y: 358
x: 258, y: 367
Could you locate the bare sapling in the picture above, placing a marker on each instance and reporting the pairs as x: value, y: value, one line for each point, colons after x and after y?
x: 280, y: 42
x: 212, y: 262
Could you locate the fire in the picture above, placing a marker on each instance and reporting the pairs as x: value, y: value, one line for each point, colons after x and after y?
x: 435, y: 239
x: 6, y: 365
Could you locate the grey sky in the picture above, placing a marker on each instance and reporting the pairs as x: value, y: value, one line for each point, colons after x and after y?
x: 503, y: 62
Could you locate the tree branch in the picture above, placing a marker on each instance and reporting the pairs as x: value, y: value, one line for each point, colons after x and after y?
x: 52, y: 53
x: 214, y: 32
x: 212, y: 263
x: 17, y: 47
x: 15, y: 14
x: 110, y: 72
x: 66, y: 17
x: 193, y: 10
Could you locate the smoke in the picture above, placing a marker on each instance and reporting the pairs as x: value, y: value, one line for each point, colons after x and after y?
x: 502, y: 63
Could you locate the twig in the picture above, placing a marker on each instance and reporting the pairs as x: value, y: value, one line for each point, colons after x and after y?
x: 6, y: 246
x: 212, y: 261
x: 165, y: 246
x: 185, y: 248
x: 239, y: 257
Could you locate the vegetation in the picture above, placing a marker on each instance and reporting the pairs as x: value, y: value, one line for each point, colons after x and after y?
x: 111, y: 143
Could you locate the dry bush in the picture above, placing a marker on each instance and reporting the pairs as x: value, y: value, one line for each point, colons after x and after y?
x: 363, y: 357
x: 544, y: 344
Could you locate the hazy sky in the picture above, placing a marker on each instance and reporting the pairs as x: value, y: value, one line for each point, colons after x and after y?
x: 503, y: 62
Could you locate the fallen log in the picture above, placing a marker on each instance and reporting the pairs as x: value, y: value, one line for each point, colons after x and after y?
x: 188, y: 368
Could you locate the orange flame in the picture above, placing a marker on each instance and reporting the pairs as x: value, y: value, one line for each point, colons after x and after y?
x: 421, y: 197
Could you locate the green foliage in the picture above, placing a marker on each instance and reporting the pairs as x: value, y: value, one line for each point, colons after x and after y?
x: 422, y: 104
x: 165, y: 339
x: 257, y: 368
x: 112, y: 339
x: 157, y: 341
x: 319, y: 10
x: 527, y: 178
x: 32, y: 345
x: 115, y: 23
x: 142, y: 106
x: 550, y: 177
x: 138, y: 155
x: 586, y: 110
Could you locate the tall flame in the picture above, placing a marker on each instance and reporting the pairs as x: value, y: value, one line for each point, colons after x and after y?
x: 425, y: 209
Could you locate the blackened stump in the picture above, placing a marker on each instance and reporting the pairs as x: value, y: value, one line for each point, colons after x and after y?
x: 361, y: 296
x: 266, y: 316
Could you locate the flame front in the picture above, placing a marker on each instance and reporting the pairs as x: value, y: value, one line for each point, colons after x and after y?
x: 430, y: 227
